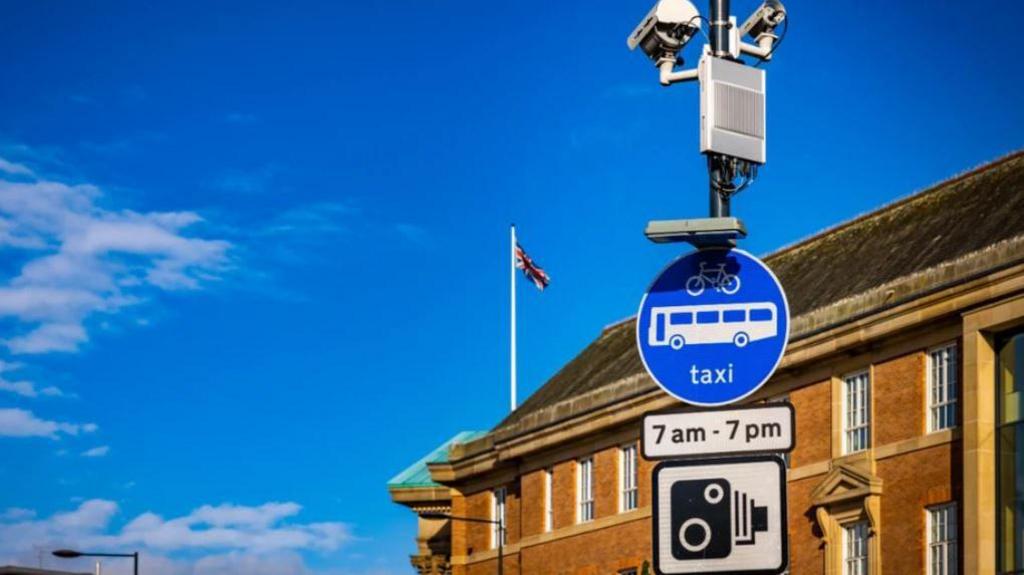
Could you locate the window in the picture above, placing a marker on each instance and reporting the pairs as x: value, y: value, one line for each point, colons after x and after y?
x: 681, y: 318
x: 734, y: 315
x: 585, y: 490
x: 761, y: 314
x: 707, y: 317
x: 855, y: 549
x: 627, y: 478
x: 498, y: 514
x: 1010, y: 456
x: 856, y: 412
x: 942, y: 387
x: 942, y: 540
x: 548, y: 500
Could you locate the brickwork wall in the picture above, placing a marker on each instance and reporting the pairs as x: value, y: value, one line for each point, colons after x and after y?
x: 813, y: 405
x: 899, y: 389
x: 606, y: 481
x: 645, y: 471
x: 913, y: 482
x: 460, y: 540
x: 601, y: 552
x: 513, y: 508
x: 478, y: 535
x: 532, y: 492
x: 806, y: 555
x: 564, y: 494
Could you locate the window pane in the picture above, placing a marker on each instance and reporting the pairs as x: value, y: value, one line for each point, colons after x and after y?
x: 942, y: 382
x: 857, y: 432
x: 855, y: 554
x: 734, y: 315
x: 548, y: 499
x: 1010, y: 460
x: 942, y: 542
x: 707, y: 317
x: 585, y: 490
x: 681, y: 318
x: 761, y: 314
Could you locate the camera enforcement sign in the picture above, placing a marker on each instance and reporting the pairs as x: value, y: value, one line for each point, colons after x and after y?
x: 713, y: 326
x: 720, y: 516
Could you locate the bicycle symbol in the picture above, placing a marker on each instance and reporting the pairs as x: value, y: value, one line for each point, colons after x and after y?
x: 716, y: 278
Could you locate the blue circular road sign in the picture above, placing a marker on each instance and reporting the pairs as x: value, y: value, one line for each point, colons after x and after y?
x: 713, y: 326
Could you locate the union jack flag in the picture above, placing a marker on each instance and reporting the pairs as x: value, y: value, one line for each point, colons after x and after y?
x: 531, y: 270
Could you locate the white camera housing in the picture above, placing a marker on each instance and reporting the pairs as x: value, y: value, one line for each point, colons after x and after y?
x: 666, y: 29
x: 764, y: 20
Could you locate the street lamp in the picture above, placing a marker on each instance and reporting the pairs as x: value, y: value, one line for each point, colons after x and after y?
x: 501, y: 530
x: 69, y: 554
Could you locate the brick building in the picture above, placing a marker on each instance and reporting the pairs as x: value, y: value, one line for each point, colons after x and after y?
x: 906, y: 349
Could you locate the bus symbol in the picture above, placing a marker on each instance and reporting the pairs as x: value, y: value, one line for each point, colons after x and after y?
x: 736, y: 323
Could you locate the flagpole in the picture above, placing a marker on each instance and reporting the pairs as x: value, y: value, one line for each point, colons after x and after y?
x: 512, y: 323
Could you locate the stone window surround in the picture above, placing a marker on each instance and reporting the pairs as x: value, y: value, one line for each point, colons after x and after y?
x: 957, y: 377
x: 621, y: 472
x: 952, y: 519
x: 849, y: 494
x: 841, y: 393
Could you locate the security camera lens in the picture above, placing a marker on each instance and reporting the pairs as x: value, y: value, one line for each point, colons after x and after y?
x: 713, y: 493
x: 695, y: 535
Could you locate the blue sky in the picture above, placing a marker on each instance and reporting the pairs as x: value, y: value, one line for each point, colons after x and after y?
x: 254, y: 256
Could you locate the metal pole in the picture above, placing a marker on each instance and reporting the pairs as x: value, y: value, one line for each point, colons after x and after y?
x: 501, y: 548
x: 135, y: 557
x: 719, y: 28
x: 716, y: 207
x: 719, y: 37
x: 512, y: 322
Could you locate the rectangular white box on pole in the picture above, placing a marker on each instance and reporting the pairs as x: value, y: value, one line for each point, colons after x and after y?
x: 754, y: 429
x: 732, y: 109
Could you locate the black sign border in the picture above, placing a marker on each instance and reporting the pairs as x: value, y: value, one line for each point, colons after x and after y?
x: 656, y: 559
x: 776, y: 404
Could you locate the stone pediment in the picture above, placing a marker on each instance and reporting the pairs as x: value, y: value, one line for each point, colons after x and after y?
x: 846, y: 483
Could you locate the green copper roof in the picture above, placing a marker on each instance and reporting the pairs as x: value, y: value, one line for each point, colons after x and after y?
x: 417, y: 474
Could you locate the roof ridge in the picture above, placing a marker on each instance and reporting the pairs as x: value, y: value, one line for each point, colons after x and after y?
x: 934, y: 188
x: 609, y: 327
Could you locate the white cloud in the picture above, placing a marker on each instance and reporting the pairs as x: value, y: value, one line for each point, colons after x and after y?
x: 22, y: 388
x: 222, y: 539
x: 83, y: 259
x: 25, y: 388
x: 17, y: 514
x: 322, y: 218
x: 14, y: 169
x: 29, y: 389
x: 100, y: 451
x: 22, y: 423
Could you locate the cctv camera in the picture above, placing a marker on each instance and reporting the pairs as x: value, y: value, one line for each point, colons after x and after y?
x: 666, y: 29
x: 764, y: 20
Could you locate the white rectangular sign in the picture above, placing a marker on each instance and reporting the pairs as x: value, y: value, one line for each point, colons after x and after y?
x: 761, y: 428
x: 720, y: 516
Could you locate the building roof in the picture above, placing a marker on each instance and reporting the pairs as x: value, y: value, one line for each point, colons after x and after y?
x: 417, y: 476
x: 900, y: 251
